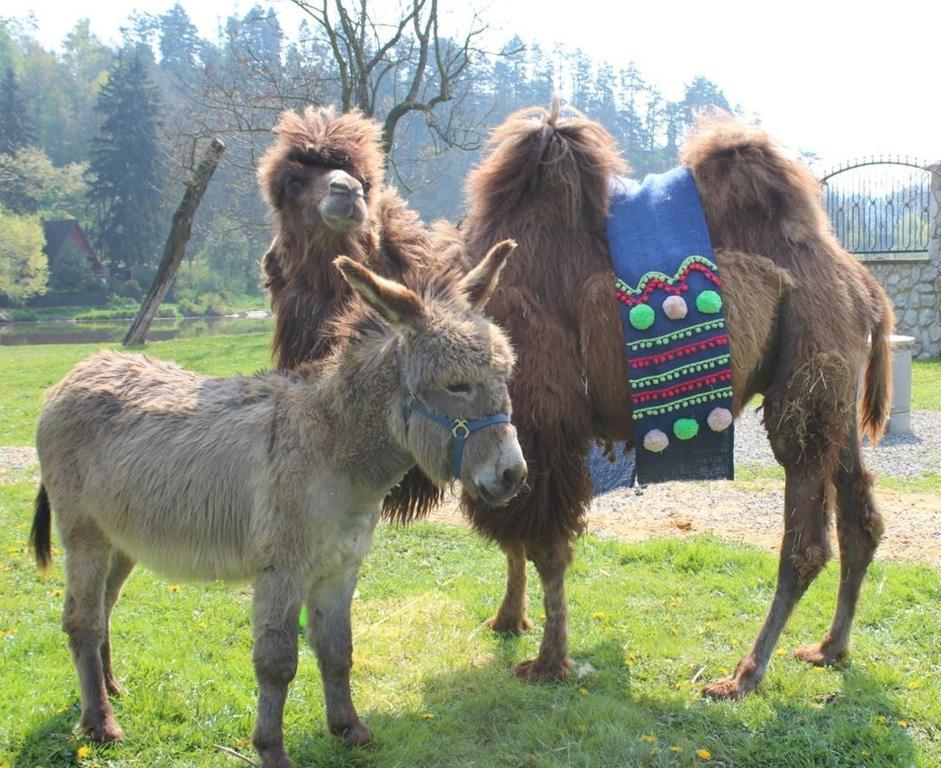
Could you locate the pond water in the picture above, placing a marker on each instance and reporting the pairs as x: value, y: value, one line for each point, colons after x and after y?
x: 16, y: 334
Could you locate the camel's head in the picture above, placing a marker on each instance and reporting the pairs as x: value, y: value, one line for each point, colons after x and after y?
x: 324, y: 170
x: 453, y: 366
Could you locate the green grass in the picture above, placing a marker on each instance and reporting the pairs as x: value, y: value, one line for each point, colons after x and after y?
x: 654, y: 621
x: 926, y: 385
x: 28, y: 371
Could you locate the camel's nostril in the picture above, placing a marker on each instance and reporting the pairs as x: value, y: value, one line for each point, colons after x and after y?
x: 338, y: 188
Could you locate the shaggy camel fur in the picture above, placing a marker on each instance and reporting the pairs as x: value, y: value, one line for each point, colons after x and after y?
x: 274, y: 478
x: 323, y: 179
x: 798, y: 309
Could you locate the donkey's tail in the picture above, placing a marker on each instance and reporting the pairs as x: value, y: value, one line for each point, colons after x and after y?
x: 877, y: 381
x: 40, y: 535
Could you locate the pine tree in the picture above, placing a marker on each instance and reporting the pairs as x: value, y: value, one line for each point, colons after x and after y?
x: 125, y: 172
x: 15, y: 130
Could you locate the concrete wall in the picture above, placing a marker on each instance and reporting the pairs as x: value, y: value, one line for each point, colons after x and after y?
x: 914, y: 283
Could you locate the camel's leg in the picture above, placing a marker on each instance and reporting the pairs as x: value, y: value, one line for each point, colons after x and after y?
x: 553, y: 662
x: 330, y: 634
x: 87, y: 559
x: 803, y: 555
x: 277, y: 606
x: 859, y: 528
x: 511, y: 618
x: 121, y: 567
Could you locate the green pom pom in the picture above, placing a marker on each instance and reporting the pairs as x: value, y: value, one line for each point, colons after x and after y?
x: 685, y: 429
x: 709, y: 302
x: 641, y: 317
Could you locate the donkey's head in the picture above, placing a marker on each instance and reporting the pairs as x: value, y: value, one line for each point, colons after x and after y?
x: 454, y: 364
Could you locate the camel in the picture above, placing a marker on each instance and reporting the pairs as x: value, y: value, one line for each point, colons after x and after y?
x: 798, y: 309
x: 323, y: 179
x: 277, y: 478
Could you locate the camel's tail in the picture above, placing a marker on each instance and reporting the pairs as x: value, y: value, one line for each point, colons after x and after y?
x: 40, y: 537
x: 877, y: 381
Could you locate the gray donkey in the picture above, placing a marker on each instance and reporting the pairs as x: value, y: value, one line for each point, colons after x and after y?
x: 274, y: 478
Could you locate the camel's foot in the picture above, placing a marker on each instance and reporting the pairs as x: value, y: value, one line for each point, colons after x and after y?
x: 820, y: 655
x: 103, y: 730
x: 539, y: 671
x: 509, y: 625
x: 113, y: 686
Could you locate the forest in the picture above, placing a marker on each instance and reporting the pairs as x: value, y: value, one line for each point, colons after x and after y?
x: 107, y: 135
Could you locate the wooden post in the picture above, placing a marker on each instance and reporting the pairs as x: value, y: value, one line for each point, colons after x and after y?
x: 176, y: 244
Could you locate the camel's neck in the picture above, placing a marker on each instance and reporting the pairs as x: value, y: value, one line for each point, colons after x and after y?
x: 359, y: 399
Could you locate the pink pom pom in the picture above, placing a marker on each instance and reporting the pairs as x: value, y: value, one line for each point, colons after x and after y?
x: 675, y: 307
x: 719, y: 419
x: 656, y: 441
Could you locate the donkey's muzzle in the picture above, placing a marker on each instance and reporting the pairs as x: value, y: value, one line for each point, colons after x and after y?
x: 504, y: 487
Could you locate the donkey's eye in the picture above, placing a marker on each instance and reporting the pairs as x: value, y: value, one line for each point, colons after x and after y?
x: 459, y: 389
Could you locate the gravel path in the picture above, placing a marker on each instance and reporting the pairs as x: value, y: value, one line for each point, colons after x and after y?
x: 912, y: 455
x: 749, y: 511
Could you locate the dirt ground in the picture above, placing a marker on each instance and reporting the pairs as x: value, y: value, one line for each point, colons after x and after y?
x: 747, y: 513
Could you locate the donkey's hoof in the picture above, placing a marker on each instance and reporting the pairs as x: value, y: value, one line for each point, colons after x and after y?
x: 105, y: 731
x: 355, y: 735
x: 733, y: 688
x: 538, y: 671
x: 515, y: 625
x: 820, y: 656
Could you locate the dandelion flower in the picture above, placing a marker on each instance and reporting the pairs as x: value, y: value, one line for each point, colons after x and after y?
x: 704, y: 754
x: 83, y: 751
x: 427, y: 715
x: 648, y: 739
x: 675, y: 749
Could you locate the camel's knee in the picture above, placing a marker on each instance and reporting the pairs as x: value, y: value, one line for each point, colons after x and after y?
x: 860, y: 523
x: 809, y: 561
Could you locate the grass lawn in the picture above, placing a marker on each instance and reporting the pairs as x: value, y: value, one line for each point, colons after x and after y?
x: 26, y: 372
x: 654, y: 621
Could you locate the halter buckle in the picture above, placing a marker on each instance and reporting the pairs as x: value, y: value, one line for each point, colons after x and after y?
x: 460, y: 430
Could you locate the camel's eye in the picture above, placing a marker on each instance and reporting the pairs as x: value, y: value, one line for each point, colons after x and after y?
x: 366, y: 187
x: 293, y: 183
x: 461, y: 388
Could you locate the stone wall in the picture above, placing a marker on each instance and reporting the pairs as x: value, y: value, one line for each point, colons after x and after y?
x: 914, y: 283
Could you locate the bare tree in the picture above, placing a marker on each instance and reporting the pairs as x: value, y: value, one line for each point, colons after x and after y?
x: 394, y: 68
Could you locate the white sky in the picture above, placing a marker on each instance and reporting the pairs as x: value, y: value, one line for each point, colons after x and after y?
x: 837, y: 78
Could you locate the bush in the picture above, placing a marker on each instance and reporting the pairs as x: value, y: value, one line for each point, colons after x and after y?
x: 130, y: 290
x: 23, y: 267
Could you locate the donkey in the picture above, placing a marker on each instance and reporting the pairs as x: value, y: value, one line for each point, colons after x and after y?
x: 275, y: 478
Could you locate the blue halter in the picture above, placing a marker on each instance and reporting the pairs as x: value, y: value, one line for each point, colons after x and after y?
x: 459, y: 428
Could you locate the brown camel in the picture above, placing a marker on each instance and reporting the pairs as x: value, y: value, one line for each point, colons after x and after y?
x: 274, y: 478
x: 323, y: 178
x: 798, y: 309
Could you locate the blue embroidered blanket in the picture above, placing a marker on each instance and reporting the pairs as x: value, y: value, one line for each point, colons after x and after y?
x: 678, y: 358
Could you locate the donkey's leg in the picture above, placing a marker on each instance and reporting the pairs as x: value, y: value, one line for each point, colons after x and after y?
x: 803, y: 555
x: 330, y: 634
x: 277, y: 606
x: 553, y: 662
x: 511, y: 618
x: 87, y: 559
x: 121, y: 567
x: 859, y: 528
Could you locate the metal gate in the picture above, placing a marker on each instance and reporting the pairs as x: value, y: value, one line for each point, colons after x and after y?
x: 880, y: 205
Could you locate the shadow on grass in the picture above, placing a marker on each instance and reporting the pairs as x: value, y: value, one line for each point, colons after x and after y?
x: 49, y: 742
x: 483, y: 716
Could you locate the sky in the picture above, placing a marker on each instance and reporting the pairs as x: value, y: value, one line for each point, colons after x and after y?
x: 830, y: 77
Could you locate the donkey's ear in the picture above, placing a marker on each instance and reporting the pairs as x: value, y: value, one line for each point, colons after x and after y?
x: 395, y: 303
x: 478, y: 284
